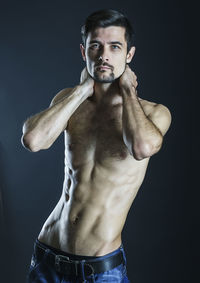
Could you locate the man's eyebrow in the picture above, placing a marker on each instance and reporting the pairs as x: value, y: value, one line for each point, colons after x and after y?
x: 94, y: 41
x: 115, y: 42
x: 110, y: 42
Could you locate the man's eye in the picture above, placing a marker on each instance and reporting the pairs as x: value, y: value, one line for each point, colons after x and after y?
x: 94, y: 46
x: 115, y: 47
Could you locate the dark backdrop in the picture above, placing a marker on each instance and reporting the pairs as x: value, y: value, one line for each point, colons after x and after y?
x: 40, y: 55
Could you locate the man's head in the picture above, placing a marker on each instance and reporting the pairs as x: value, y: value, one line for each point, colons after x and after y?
x: 107, y: 41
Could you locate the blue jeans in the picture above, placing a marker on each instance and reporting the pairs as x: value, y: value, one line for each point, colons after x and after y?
x: 41, y: 272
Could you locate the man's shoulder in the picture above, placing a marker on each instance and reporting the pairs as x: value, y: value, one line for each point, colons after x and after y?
x: 158, y: 113
x: 60, y: 95
x: 150, y: 107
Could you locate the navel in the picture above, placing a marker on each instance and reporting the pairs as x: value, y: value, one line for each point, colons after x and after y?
x: 75, y: 220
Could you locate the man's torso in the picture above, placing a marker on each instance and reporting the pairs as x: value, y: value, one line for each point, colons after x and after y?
x: 101, y: 182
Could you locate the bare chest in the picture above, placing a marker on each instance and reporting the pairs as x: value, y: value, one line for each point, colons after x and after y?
x: 95, y: 134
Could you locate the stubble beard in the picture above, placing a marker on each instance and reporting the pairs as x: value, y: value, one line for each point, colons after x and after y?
x: 101, y: 79
x: 108, y: 79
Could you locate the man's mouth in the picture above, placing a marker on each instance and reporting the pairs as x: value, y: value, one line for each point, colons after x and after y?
x: 103, y: 67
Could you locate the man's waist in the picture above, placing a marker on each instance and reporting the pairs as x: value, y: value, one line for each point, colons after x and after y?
x: 67, y: 263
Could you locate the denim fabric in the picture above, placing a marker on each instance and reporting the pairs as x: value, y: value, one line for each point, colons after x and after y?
x: 41, y: 272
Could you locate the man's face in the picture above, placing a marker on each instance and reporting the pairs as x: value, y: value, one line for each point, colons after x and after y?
x: 106, y: 53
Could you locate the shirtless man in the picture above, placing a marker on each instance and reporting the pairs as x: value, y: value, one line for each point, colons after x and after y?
x: 110, y: 134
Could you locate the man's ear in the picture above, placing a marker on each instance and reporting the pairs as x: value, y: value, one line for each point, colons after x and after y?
x: 130, y: 54
x: 82, y: 51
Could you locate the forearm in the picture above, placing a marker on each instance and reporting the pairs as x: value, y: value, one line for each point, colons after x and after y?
x: 41, y: 130
x: 140, y: 135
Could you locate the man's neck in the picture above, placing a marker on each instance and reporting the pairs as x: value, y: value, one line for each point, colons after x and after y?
x: 104, y: 91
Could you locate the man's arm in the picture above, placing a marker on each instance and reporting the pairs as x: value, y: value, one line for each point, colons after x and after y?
x: 41, y: 130
x: 142, y: 134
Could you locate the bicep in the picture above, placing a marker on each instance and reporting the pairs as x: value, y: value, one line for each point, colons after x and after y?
x: 161, y: 117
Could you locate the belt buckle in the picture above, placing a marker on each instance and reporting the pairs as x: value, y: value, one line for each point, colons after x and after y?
x: 59, y: 258
x: 62, y: 258
x: 91, y: 267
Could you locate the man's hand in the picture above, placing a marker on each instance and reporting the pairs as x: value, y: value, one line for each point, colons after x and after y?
x: 128, y: 79
x: 86, y: 80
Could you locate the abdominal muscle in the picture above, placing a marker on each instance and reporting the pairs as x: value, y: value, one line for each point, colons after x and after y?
x: 90, y: 215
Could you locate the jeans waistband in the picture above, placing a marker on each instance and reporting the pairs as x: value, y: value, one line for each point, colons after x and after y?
x: 78, y: 257
x: 78, y: 265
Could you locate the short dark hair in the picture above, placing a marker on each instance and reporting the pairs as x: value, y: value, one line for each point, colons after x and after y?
x: 105, y: 18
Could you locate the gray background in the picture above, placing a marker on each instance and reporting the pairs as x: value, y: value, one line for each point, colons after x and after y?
x: 40, y: 55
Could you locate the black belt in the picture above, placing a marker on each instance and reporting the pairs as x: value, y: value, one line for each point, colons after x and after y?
x: 65, y: 265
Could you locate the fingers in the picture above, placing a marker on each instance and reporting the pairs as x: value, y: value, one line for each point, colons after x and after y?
x: 128, y: 68
x: 83, y: 75
x: 134, y: 78
x: 134, y: 75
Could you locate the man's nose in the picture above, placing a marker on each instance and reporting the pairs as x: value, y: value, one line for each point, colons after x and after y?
x: 103, y: 55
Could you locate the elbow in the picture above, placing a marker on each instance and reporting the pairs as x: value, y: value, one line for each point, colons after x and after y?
x: 28, y: 138
x: 145, y: 150
x: 140, y: 152
x: 29, y: 142
x: 34, y: 142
